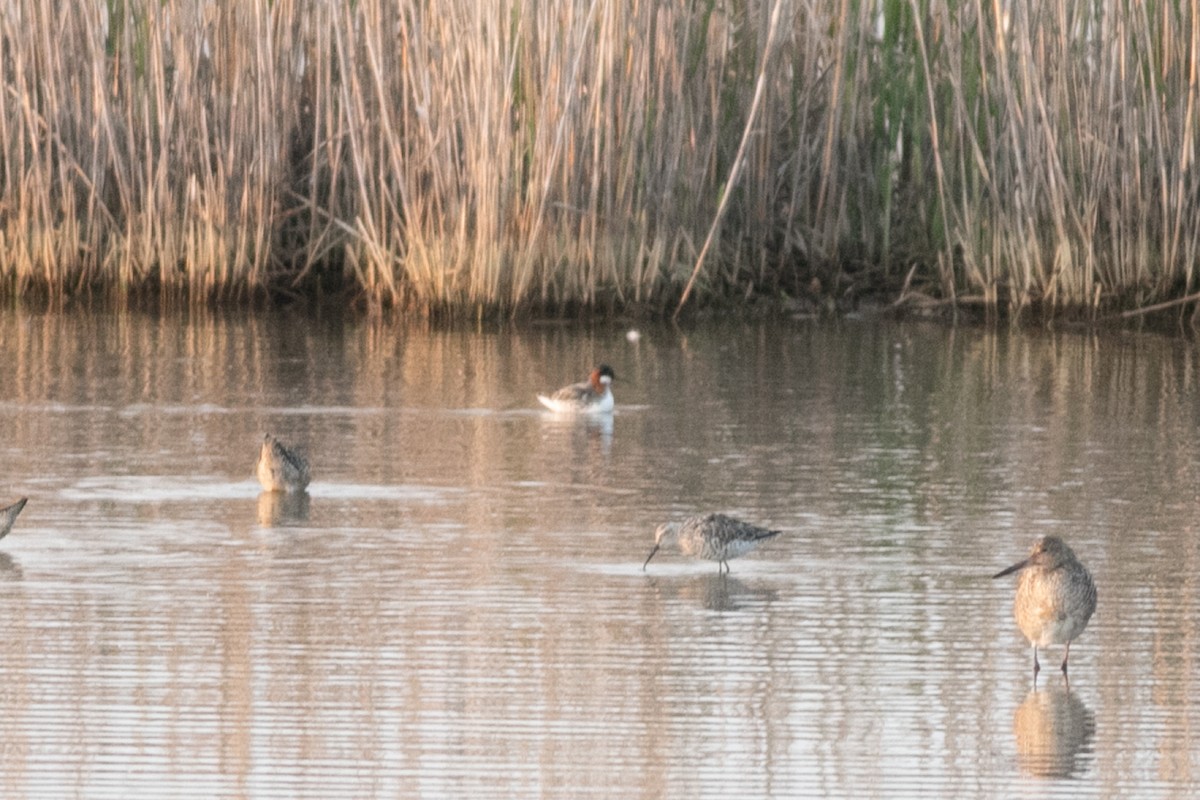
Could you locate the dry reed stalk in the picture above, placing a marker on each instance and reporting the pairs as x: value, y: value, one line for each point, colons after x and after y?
x: 532, y: 154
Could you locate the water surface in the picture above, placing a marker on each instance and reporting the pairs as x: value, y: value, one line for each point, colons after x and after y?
x: 457, y: 606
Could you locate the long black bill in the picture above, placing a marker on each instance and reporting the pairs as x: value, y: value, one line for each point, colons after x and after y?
x: 647, y: 561
x: 1017, y: 567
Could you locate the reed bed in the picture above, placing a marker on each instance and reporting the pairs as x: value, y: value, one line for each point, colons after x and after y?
x: 496, y: 157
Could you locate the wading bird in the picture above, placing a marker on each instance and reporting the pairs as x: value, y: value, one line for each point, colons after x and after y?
x: 279, y: 469
x: 715, y: 537
x: 1055, y: 597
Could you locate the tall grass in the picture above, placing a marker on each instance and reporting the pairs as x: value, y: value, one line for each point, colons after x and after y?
x: 492, y: 157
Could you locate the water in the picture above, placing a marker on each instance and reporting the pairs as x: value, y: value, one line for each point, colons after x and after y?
x: 458, y: 608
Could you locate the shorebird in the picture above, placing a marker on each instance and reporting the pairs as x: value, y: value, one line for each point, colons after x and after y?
x: 1055, y: 597
x: 279, y: 469
x: 715, y: 537
x: 9, y: 514
x: 593, y: 396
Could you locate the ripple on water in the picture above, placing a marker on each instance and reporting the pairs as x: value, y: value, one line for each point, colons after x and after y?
x: 457, y: 607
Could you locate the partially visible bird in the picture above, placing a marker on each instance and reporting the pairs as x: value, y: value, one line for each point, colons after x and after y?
x: 593, y: 396
x: 715, y: 537
x: 8, y: 515
x: 280, y: 469
x: 1055, y: 597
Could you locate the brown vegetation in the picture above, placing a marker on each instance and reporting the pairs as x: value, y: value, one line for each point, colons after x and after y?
x: 492, y: 157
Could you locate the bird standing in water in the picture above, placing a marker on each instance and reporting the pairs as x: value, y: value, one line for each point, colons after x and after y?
x: 1055, y: 597
x: 279, y: 469
x: 715, y: 537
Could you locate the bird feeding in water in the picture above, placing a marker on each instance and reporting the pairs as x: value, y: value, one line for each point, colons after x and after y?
x: 279, y: 469
x: 593, y: 396
x: 715, y: 537
x: 1055, y: 597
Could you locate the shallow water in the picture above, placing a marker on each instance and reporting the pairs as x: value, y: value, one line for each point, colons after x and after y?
x: 458, y: 606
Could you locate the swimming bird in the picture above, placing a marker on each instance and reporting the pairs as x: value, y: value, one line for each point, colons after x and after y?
x: 593, y: 396
x: 8, y: 515
x: 715, y: 537
x: 279, y: 469
x: 1055, y: 597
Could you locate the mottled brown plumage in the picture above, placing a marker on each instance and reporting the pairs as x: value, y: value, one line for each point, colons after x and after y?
x: 1055, y: 597
x: 715, y: 537
x: 279, y: 469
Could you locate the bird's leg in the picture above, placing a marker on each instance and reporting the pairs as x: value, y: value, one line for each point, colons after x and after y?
x: 1066, y: 655
x: 1036, y: 666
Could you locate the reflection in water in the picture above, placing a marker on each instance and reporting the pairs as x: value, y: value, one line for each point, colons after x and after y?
x: 590, y: 433
x: 462, y: 611
x: 282, y: 508
x: 725, y: 593
x: 600, y: 428
x: 711, y: 592
x: 1054, y: 729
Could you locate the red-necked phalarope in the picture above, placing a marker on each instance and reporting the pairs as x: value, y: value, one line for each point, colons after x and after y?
x: 715, y: 537
x: 279, y: 469
x: 1055, y: 597
x: 8, y: 515
x: 593, y: 396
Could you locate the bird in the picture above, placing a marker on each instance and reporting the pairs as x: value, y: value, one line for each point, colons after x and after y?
x: 8, y: 515
x: 1055, y: 597
x: 593, y: 396
x: 715, y: 537
x: 280, y: 469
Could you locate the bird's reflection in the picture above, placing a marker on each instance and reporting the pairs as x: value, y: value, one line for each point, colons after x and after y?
x: 1054, y: 730
x: 591, y: 434
x: 10, y: 570
x: 596, y: 430
x: 724, y: 593
x: 600, y: 429
x: 280, y: 508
